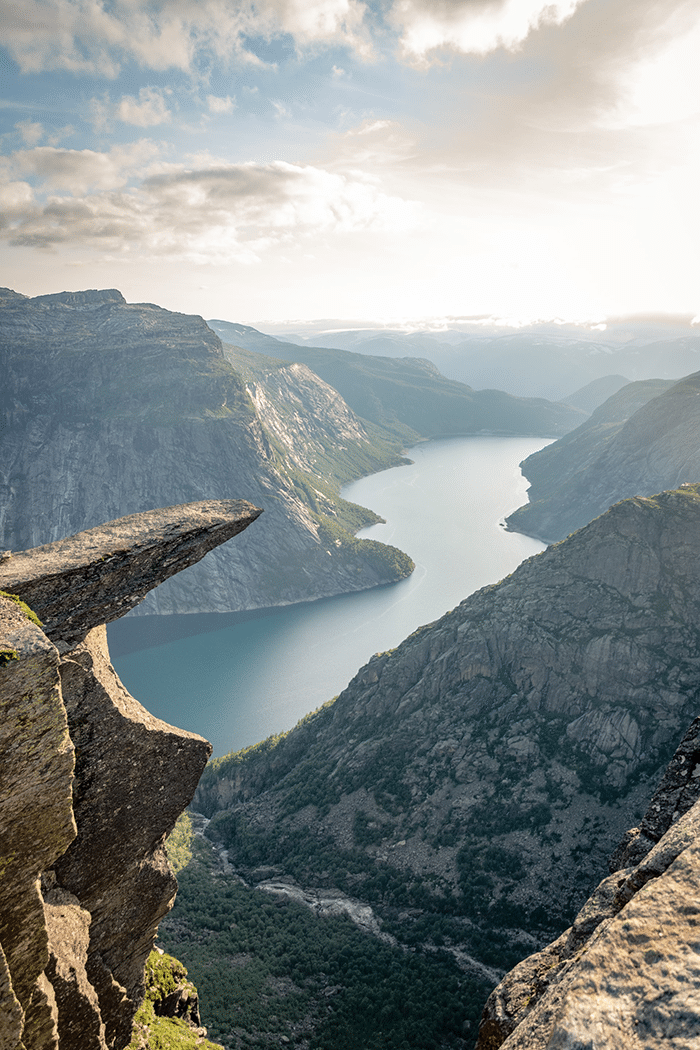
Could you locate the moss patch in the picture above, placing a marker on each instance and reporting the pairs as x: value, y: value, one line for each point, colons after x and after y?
x: 24, y: 608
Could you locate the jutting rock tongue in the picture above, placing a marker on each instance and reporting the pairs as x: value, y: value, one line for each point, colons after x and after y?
x: 98, y: 575
x: 72, y: 953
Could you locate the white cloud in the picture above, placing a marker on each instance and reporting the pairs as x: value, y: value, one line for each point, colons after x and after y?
x: 79, y: 171
x: 31, y: 131
x: 282, y: 112
x: 92, y: 37
x: 148, y: 110
x: 221, y: 105
x: 472, y: 26
x: 219, y: 214
x: 663, y: 85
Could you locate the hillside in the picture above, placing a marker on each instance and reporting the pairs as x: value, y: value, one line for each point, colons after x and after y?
x: 409, y: 392
x: 496, y: 753
x: 109, y: 408
x: 643, y: 439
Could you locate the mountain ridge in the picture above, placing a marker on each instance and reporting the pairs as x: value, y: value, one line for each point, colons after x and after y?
x: 643, y: 439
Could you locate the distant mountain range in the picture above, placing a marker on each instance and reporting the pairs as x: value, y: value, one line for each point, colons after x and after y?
x: 540, y: 360
x: 409, y: 392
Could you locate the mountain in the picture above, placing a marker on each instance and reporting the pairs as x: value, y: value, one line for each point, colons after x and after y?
x: 595, y: 393
x: 633, y: 944
x: 643, y: 439
x: 90, y: 782
x: 495, y: 754
x: 538, y: 360
x: 109, y: 408
x: 409, y: 395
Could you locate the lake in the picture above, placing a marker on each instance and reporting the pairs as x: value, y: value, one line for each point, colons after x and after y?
x: 238, y: 678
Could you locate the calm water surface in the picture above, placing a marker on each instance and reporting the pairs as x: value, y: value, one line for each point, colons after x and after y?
x: 243, y: 677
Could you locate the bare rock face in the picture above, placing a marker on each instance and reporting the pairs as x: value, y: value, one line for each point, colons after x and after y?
x: 90, y: 782
x: 627, y: 973
x: 107, y: 570
x: 109, y: 408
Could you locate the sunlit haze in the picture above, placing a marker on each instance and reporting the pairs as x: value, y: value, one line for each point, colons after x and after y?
x: 290, y: 160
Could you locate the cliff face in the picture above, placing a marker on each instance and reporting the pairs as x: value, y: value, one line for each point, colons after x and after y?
x: 91, y: 782
x: 109, y: 408
x: 499, y: 751
x: 626, y: 973
x: 644, y: 439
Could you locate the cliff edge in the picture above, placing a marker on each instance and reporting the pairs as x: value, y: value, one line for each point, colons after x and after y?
x: 91, y: 782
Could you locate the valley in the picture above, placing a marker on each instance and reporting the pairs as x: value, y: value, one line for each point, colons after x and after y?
x: 365, y: 876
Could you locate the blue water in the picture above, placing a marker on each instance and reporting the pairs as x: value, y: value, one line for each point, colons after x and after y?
x: 237, y: 679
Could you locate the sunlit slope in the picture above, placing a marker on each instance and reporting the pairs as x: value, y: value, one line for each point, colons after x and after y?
x: 643, y: 439
x: 410, y: 392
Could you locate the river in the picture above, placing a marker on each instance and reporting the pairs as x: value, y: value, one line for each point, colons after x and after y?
x: 241, y: 677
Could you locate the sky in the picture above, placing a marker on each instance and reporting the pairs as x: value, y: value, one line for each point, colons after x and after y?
x: 384, y: 160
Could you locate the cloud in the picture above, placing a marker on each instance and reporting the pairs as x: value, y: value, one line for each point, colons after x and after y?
x: 85, y: 36
x: 472, y: 26
x: 31, y: 131
x: 221, y: 105
x: 79, y: 171
x: 219, y: 214
x: 148, y: 110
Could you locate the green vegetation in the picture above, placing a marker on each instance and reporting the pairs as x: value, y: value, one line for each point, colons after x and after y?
x: 270, y: 970
x: 24, y: 608
x: 179, y: 845
x: 164, y: 975
x: 6, y: 655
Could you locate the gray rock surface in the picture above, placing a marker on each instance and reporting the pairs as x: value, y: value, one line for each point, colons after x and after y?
x: 500, y: 751
x: 644, y: 439
x: 104, y: 572
x: 627, y: 973
x: 84, y: 877
x: 109, y: 409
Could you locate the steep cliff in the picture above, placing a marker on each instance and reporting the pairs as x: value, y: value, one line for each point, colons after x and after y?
x: 497, y: 752
x: 644, y: 439
x: 409, y: 394
x: 109, y: 408
x: 626, y: 973
x: 90, y: 782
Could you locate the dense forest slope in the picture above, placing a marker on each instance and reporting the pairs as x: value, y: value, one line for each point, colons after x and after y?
x: 643, y: 439
x: 409, y: 392
x: 108, y: 408
x: 496, y: 753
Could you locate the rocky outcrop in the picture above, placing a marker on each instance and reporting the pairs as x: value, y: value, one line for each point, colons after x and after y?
x: 106, y: 571
x: 91, y: 783
x: 644, y: 439
x: 497, y: 752
x: 109, y: 408
x: 626, y: 973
